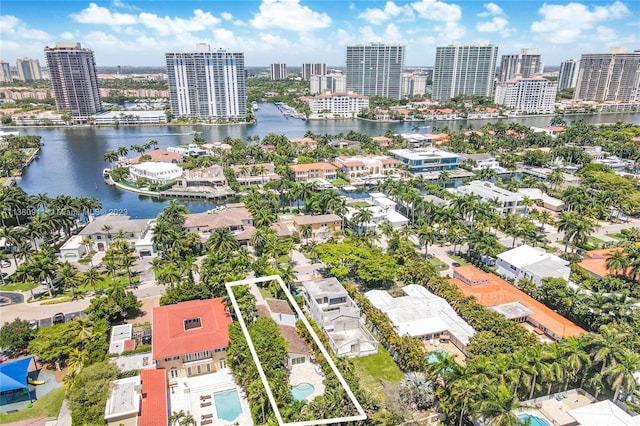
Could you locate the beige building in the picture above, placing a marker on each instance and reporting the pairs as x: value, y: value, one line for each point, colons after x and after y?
x: 311, y: 171
x: 190, y: 338
x: 322, y: 226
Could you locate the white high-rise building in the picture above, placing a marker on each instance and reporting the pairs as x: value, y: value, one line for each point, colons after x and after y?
x: 530, y: 95
x: 278, y: 71
x: 610, y: 77
x: 207, y: 84
x: 464, y: 69
x: 29, y: 69
x: 375, y: 69
x: 5, y: 71
x: 334, y: 82
x: 527, y: 64
x: 309, y: 70
x: 568, y: 76
x: 74, y: 79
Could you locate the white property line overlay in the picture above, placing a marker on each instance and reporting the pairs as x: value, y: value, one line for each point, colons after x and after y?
x: 361, y: 414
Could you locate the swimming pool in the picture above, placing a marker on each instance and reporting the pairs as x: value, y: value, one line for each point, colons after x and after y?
x: 302, y: 391
x: 533, y: 420
x: 228, y: 404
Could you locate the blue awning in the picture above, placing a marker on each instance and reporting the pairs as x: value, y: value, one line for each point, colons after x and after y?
x: 13, y: 375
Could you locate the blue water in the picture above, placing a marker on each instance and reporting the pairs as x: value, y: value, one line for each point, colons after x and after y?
x: 533, y: 420
x: 302, y: 391
x: 71, y: 162
x: 432, y: 356
x: 228, y: 405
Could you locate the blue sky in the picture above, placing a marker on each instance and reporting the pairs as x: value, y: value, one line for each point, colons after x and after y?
x: 122, y: 32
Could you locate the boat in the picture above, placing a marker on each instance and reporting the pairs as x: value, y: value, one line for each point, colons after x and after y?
x: 106, y: 173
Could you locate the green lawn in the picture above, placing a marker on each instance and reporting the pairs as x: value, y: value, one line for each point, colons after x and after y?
x: 458, y: 259
x: 617, y: 236
x: 370, y: 369
x: 438, y: 264
x: 596, y: 241
x: 339, y: 181
x: 48, y: 405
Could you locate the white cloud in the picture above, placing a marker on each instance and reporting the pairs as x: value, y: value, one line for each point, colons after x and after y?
x: 200, y: 21
x: 435, y: 10
x: 497, y: 24
x: 391, y: 10
x: 13, y: 28
x: 95, y: 14
x: 492, y: 9
x: 289, y: 15
x: 67, y: 35
x: 567, y: 23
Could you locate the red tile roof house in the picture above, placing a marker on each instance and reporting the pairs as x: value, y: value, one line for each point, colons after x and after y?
x: 190, y: 338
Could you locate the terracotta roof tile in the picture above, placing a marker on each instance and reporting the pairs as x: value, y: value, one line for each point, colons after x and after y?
x: 159, y: 156
x: 153, y: 406
x: 312, y: 166
x: 170, y: 337
x: 494, y: 291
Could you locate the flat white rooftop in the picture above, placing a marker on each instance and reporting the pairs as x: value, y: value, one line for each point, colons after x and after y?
x: 422, y: 153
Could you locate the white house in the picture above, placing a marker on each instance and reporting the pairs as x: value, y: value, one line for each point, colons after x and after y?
x: 155, y: 172
x: 548, y: 202
x: 73, y: 248
x: 336, y: 313
x: 103, y: 229
x: 382, y: 211
x: 422, y: 314
x: 507, y: 201
x: 531, y: 262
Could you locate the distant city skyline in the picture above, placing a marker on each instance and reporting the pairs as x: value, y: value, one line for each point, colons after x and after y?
x: 292, y: 32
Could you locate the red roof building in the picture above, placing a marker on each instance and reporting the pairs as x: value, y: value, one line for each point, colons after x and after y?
x: 153, y: 405
x: 191, y: 338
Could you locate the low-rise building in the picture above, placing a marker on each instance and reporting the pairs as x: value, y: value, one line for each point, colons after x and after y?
x: 192, y: 150
x: 103, y: 229
x: 330, y: 104
x: 422, y: 314
x: 506, y: 201
x: 191, y: 338
x: 547, y: 201
x: 383, y: 210
x: 595, y: 262
x: 203, y: 179
x: 123, y: 404
x: 533, y: 263
x: 493, y: 292
x: 336, y: 313
x: 155, y: 172
x: 130, y: 117
x: 121, y: 339
x: 481, y: 161
x: 73, y: 248
x: 255, y: 174
x: 158, y: 156
x: 298, y: 351
x: 312, y: 171
x: 422, y: 160
x: 234, y: 217
x: 359, y: 166
x: 322, y: 226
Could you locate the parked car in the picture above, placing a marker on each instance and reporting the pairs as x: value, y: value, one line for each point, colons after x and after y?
x: 5, y: 264
x: 455, y: 264
x: 33, y: 324
x: 58, y: 318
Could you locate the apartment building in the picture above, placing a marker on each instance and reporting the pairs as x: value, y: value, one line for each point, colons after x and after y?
x: 207, y: 84
x: 375, y: 69
x: 29, y: 69
x: 278, y: 71
x: 610, y: 77
x: 310, y: 70
x: 528, y: 95
x: 74, y: 79
x: 337, y: 104
x: 464, y: 69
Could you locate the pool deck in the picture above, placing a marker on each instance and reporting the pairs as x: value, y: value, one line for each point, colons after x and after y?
x: 197, y: 398
x: 555, y: 410
x: 306, y: 373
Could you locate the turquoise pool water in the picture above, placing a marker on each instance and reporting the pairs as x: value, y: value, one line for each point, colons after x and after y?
x: 302, y: 391
x: 533, y: 420
x: 228, y: 404
x: 433, y: 356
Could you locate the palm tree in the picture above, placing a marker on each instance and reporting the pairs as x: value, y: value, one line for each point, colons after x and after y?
x: 620, y: 373
x: 305, y: 231
x: 107, y: 230
x: 443, y: 177
x: 68, y: 277
x: 426, y: 235
x: 91, y: 277
x: 362, y: 217
x: 618, y: 262
x: 222, y: 240
x: 498, y: 408
x: 122, y: 151
x: 576, y: 228
x: 111, y: 156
